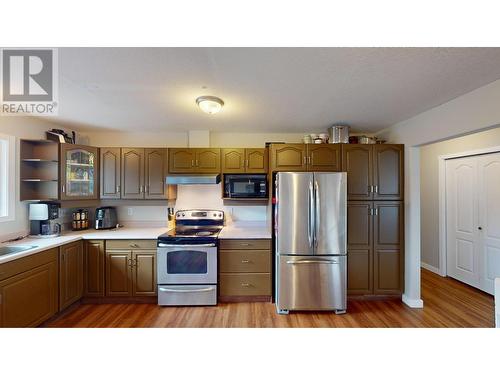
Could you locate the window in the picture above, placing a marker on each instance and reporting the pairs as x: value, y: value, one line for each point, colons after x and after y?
x: 7, y: 177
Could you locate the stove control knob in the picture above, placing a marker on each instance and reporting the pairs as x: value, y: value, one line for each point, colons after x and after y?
x: 220, y: 215
x: 183, y: 215
x: 215, y: 215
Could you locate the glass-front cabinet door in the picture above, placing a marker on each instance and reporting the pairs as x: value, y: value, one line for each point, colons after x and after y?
x: 78, y: 172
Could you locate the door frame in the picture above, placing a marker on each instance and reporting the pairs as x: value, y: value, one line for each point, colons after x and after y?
x: 442, y: 271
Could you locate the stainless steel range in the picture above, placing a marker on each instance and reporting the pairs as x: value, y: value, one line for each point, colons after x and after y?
x: 187, y: 259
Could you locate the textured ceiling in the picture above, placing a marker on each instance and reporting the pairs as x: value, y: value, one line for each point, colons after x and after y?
x: 265, y: 89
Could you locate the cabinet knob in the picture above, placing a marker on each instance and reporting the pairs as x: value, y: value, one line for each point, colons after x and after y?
x: 480, y: 228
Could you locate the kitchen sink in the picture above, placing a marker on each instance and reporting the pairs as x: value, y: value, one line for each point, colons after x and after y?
x: 5, y: 250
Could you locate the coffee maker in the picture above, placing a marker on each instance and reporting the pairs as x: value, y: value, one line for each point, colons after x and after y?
x: 42, y: 216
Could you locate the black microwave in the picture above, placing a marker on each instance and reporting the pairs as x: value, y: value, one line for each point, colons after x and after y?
x: 245, y: 186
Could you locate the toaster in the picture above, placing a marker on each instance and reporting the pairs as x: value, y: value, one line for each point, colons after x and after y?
x: 105, y: 218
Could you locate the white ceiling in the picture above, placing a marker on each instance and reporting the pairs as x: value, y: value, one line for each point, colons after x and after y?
x: 265, y: 89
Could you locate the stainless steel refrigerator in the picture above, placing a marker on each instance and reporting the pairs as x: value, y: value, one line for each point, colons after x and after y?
x: 311, y: 246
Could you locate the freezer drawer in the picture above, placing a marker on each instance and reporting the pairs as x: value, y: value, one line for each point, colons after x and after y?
x: 187, y: 295
x: 311, y: 283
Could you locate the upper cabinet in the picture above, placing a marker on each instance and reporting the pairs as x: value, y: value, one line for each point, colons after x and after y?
x: 244, y: 160
x: 135, y: 173
x: 194, y: 160
x: 78, y: 172
x: 388, y: 173
x: 324, y: 157
x: 373, y: 171
x: 132, y: 173
x: 305, y: 157
x: 110, y: 180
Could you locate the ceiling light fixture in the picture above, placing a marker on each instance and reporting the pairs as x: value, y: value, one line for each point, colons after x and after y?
x: 209, y: 104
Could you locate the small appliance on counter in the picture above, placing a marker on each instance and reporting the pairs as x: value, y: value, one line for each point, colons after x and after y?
x: 42, y: 216
x: 105, y: 218
x: 80, y: 219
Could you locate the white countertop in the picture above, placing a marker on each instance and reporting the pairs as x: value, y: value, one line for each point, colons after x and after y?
x: 233, y: 230
x: 246, y: 229
x: 91, y: 234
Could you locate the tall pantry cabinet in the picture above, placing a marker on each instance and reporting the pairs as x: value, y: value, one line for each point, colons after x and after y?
x: 375, y: 230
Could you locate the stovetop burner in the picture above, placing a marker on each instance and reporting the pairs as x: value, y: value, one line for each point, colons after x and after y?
x: 195, y: 225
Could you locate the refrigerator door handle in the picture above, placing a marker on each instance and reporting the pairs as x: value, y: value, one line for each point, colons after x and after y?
x: 317, y: 213
x: 310, y: 216
x: 311, y: 261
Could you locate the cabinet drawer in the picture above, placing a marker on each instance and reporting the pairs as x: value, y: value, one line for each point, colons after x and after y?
x: 17, y: 266
x: 130, y: 244
x: 245, y: 244
x: 245, y: 261
x: 245, y: 284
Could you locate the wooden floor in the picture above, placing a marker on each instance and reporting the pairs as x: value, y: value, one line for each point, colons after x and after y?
x: 447, y: 303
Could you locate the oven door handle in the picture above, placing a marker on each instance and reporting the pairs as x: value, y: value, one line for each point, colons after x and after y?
x: 183, y: 246
x: 186, y: 290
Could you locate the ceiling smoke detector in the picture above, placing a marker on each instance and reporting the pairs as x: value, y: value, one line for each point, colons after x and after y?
x: 210, y: 104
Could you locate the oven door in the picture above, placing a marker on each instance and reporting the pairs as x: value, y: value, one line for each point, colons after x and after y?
x: 187, y: 264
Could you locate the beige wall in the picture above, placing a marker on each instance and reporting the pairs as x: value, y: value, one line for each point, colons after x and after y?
x: 429, y: 178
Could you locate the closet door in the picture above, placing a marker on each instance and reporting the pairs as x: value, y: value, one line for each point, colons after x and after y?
x: 488, y: 168
x: 462, y: 237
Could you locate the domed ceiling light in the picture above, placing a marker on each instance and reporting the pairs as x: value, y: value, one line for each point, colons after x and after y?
x: 210, y: 104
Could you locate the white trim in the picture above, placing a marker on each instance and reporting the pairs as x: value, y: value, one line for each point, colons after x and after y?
x: 442, y: 198
x: 9, y: 189
x: 428, y: 267
x: 413, y: 303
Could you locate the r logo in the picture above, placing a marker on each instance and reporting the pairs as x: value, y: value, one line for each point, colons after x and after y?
x: 27, y: 75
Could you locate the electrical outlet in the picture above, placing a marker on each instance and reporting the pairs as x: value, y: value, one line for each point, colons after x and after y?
x: 130, y: 211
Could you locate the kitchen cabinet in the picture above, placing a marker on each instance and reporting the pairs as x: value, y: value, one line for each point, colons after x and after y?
x: 156, y: 167
x: 375, y: 247
x: 306, y: 157
x: 70, y: 274
x: 244, y: 160
x: 130, y: 273
x: 388, y: 239
x: 388, y: 177
x: 110, y: 172
x: 245, y: 268
x: 374, y: 172
x: 94, y: 268
x: 194, y: 160
x: 135, y: 173
x: 78, y: 172
x: 29, y: 289
x: 132, y: 173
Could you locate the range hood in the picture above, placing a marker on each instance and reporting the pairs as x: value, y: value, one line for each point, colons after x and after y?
x: 193, y: 179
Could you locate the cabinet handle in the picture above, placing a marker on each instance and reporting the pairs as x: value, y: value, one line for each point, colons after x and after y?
x: 244, y: 244
x: 370, y: 188
x: 305, y: 160
x: 63, y: 188
x: 376, y: 212
x: 192, y: 163
x: 309, y: 160
x: 370, y: 212
x: 141, y: 189
x: 245, y: 261
x: 376, y: 188
x: 117, y: 188
x: 197, y: 162
x: 134, y: 245
x: 245, y: 285
x: 129, y: 262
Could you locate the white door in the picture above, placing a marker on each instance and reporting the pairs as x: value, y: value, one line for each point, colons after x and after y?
x: 489, y: 219
x: 473, y: 220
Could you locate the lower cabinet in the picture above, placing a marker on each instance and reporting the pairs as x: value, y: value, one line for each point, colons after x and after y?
x: 130, y: 273
x: 29, y: 289
x: 245, y: 268
x: 70, y: 274
x: 94, y: 269
x: 375, y: 247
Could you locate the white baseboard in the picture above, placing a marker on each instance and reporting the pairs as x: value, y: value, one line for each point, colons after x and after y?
x: 430, y: 268
x: 413, y: 303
